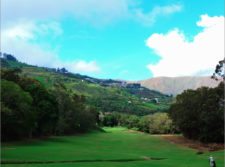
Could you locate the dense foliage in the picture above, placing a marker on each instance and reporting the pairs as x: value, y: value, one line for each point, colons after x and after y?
x: 158, y: 123
x: 199, y: 114
x: 29, y: 109
x: 16, y: 115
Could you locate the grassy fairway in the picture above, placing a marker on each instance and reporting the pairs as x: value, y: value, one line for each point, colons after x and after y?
x: 116, y: 144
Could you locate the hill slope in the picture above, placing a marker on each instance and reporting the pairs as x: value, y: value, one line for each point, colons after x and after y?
x: 176, y: 85
x: 105, y: 95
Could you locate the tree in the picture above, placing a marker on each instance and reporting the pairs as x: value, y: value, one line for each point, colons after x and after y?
x: 16, y: 114
x: 110, y: 119
x: 158, y: 123
x: 29, y: 109
x: 9, y: 57
x: 44, y: 106
x: 132, y: 121
x: 144, y: 124
x: 219, y: 70
x: 73, y: 115
x: 87, y: 119
x: 199, y: 113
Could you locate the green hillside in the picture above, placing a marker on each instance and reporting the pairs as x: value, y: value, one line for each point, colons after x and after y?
x: 105, y: 95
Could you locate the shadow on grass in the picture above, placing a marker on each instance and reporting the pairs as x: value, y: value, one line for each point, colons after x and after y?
x: 44, y: 140
x: 79, y: 161
x: 40, y: 141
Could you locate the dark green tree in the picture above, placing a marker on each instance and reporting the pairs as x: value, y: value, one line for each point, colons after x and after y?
x: 17, y: 117
x: 199, y: 114
x: 73, y: 114
x: 44, y: 105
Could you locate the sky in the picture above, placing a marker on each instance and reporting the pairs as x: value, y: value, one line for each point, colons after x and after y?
x: 118, y: 39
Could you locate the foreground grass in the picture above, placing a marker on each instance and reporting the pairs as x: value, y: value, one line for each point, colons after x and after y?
x: 117, y: 144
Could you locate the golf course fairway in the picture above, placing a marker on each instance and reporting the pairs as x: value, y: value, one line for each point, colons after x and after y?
x: 116, y: 147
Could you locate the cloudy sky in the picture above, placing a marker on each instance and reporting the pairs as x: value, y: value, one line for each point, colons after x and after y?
x: 119, y: 39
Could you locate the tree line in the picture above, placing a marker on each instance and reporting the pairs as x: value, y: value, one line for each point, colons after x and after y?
x: 157, y: 123
x: 28, y: 109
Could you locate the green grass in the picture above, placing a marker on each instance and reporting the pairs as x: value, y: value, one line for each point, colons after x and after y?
x: 114, y: 144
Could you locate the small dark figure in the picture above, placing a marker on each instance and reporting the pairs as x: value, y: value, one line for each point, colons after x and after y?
x: 212, y: 162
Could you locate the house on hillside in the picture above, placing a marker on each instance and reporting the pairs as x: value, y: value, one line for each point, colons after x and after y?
x: 133, y: 85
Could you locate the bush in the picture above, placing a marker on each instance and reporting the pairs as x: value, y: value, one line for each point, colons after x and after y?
x: 158, y: 123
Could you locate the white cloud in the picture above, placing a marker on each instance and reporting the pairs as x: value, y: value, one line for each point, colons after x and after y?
x: 22, y: 31
x: 181, y: 57
x: 83, y: 66
x: 17, y: 40
x: 150, y: 17
x: 88, y: 10
x: 28, y: 30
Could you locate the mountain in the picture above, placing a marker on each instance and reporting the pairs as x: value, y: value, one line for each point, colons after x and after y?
x: 106, y: 95
x: 176, y: 85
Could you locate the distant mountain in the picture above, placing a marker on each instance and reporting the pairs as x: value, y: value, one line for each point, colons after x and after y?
x: 176, y: 85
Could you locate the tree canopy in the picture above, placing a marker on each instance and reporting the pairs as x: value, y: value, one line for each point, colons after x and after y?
x: 199, y: 114
x: 29, y: 109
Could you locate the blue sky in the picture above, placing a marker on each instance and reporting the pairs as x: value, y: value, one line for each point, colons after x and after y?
x: 119, y: 39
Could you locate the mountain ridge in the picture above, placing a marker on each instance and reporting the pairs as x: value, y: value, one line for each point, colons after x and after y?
x: 176, y: 85
x: 165, y: 85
